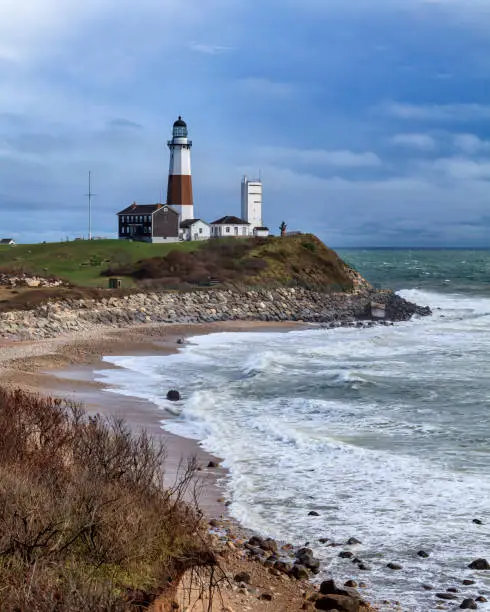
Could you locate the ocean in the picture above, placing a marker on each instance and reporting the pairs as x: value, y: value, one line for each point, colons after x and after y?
x: 384, y: 431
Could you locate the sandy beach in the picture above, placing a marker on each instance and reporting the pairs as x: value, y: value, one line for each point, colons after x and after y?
x: 65, y: 367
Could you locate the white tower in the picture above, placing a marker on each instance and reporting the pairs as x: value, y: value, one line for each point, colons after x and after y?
x: 252, y: 202
x: 179, y: 191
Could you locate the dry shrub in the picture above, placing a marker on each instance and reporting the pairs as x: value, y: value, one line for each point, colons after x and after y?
x: 85, y: 522
x: 224, y: 260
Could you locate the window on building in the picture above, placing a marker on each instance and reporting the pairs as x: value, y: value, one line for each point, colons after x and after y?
x: 244, y: 230
x: 227, y: 230
x: 200, y: 230
x: 236, y: 230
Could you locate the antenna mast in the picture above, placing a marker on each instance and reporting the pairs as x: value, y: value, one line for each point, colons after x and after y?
x: 90, y: 195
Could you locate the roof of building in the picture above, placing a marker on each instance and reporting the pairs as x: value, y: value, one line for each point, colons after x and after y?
x: 230, y: 220
x: 180, y: 122
x: 6, y: 240
x: 189, y: 222
x: 264, y: 229
x: 143, y: 209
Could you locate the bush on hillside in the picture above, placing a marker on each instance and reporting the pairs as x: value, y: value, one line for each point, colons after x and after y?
x: 225, y: 260
x: 85, y: 522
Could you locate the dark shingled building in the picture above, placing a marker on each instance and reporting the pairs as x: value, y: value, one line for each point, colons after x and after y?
x: 149, y: 223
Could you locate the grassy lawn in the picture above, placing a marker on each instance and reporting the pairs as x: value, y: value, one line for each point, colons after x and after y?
x: 81, y: 262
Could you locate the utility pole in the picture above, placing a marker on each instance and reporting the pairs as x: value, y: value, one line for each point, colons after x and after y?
x: 90, y: 195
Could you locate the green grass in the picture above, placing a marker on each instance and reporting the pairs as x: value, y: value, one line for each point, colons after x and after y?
x: 81, y: 262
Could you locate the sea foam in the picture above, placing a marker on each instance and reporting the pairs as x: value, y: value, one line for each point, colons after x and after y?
x: 384, y: 431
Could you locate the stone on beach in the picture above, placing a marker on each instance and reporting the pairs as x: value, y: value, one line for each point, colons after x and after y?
x: 299, y: 572
x: 394, y: 566
x: 256, y: 541
x: 448, y: 596
x: 468, y: 604
x: 364, y: 567
x: 270, y: 545
x: 346, y: 554
x: 479, y: 564
x: 242, y: 577
x: 173, y: 395
x: 338, y: 602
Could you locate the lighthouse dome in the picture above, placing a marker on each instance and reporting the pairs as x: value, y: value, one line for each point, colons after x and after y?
x: 180, y: 128
x: 180, y: 122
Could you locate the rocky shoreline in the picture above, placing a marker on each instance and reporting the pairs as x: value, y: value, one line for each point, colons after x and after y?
x: 299, y: 564
x: 286, y: 563
x: 64, y: 316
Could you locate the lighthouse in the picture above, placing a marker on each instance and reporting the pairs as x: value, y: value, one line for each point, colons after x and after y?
x: 179, y: 191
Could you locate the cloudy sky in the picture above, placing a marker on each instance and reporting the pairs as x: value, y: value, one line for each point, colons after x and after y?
x: 369, y: 120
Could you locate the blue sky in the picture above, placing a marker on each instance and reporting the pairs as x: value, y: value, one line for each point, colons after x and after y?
x: 368, y: 119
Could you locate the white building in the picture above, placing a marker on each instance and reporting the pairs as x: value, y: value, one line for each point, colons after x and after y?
x: 195, y: 229
x: 230, y: 227
x: 252, y: 206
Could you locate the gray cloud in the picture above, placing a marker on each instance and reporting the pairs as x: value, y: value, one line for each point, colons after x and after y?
x: 208, y: 49
x: 471, y: 144
x: 424, y: 142
x: 124, y: 123
x: 319, y: 157
x: 436, y: 112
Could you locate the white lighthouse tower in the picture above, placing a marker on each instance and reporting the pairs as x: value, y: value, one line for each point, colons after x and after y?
x: 179, y: 191
x: 252, y: 202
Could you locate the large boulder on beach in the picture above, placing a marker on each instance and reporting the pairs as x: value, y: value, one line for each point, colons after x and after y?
x: 468, y: 604
x: 256, y: 541
x: 283, y: 566
x: 328, y: 587
x: 269, y: 545
x: 173, y: 395
x: 299, y: 572
x: 479, y: 564
x: 304, y: 556
x: 303, y: 551
x: 338, y: 602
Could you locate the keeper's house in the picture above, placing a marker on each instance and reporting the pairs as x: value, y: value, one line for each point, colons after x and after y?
x: 230, y: 227
x: 149, y: 223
